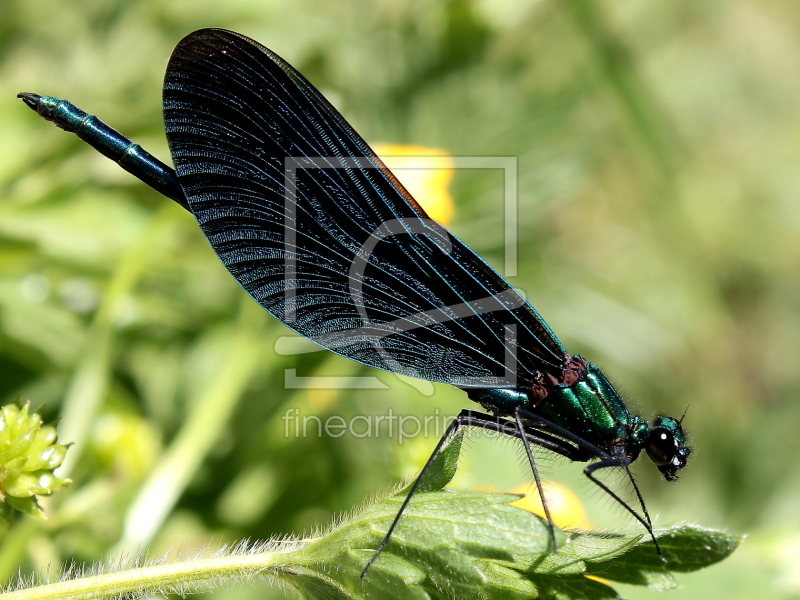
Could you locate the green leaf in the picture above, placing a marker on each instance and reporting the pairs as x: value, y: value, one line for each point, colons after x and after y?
x: 503, y: 583
x: 573, y: 588
x: 475, y: 545
x: 572, y: 558
x: 444, y: 465
x: 465, y: 545
x: 690, y: 548
x: 394, y: 578
x: 313, y: 584
x: 684, y: 549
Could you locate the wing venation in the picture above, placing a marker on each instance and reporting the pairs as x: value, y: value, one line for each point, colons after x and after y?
x: 319, y: 232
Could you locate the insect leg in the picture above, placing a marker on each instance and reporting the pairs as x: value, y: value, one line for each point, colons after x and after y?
x: 639, y: 496
x: 536, y: 478
x: 606, y: 461
x: 589, y: 449
x: 450, y: 431
x: 469, y: 418
x: 621, y: 462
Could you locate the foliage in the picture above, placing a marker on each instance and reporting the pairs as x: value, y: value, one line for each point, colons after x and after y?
x: 657, y: 226
x: 29, y: 453
x: 466, y: 545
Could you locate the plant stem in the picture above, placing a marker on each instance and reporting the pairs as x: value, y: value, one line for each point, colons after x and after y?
x: 165, y: 578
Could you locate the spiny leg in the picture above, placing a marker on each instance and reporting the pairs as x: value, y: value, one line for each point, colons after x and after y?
x: 536, y: 478
x: 606, y: 461
x: 585, y: 450
x: 639, y: 496
x: 468, y: 418
x: 451, y: 430
x: 620, y: 462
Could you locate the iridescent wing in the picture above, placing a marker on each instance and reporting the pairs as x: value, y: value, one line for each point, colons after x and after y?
x: 320, y: 233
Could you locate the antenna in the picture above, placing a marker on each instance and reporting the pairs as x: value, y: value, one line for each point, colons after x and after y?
x: 684, y: 413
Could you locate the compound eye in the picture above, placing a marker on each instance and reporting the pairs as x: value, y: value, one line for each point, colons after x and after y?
x: 661, y: 446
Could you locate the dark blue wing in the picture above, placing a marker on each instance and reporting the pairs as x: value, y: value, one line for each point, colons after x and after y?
x: 320, y: 233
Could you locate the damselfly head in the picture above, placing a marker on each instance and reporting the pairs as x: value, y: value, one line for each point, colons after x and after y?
x: 666, y: 446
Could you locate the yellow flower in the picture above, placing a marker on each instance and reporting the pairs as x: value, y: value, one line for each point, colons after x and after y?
x: 426, y: 173
x: 565, y: 506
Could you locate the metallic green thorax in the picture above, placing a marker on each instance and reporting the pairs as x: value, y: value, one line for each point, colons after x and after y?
x: 590, y: 408
x: 581, y: 401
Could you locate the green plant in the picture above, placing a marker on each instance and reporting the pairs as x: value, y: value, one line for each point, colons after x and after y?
x: 29, y: 453
x: 450, y: 544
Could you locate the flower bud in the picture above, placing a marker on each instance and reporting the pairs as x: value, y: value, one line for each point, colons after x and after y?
x: 29, y: 452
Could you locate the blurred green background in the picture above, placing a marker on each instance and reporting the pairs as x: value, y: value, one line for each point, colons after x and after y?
x: 659, y: 170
